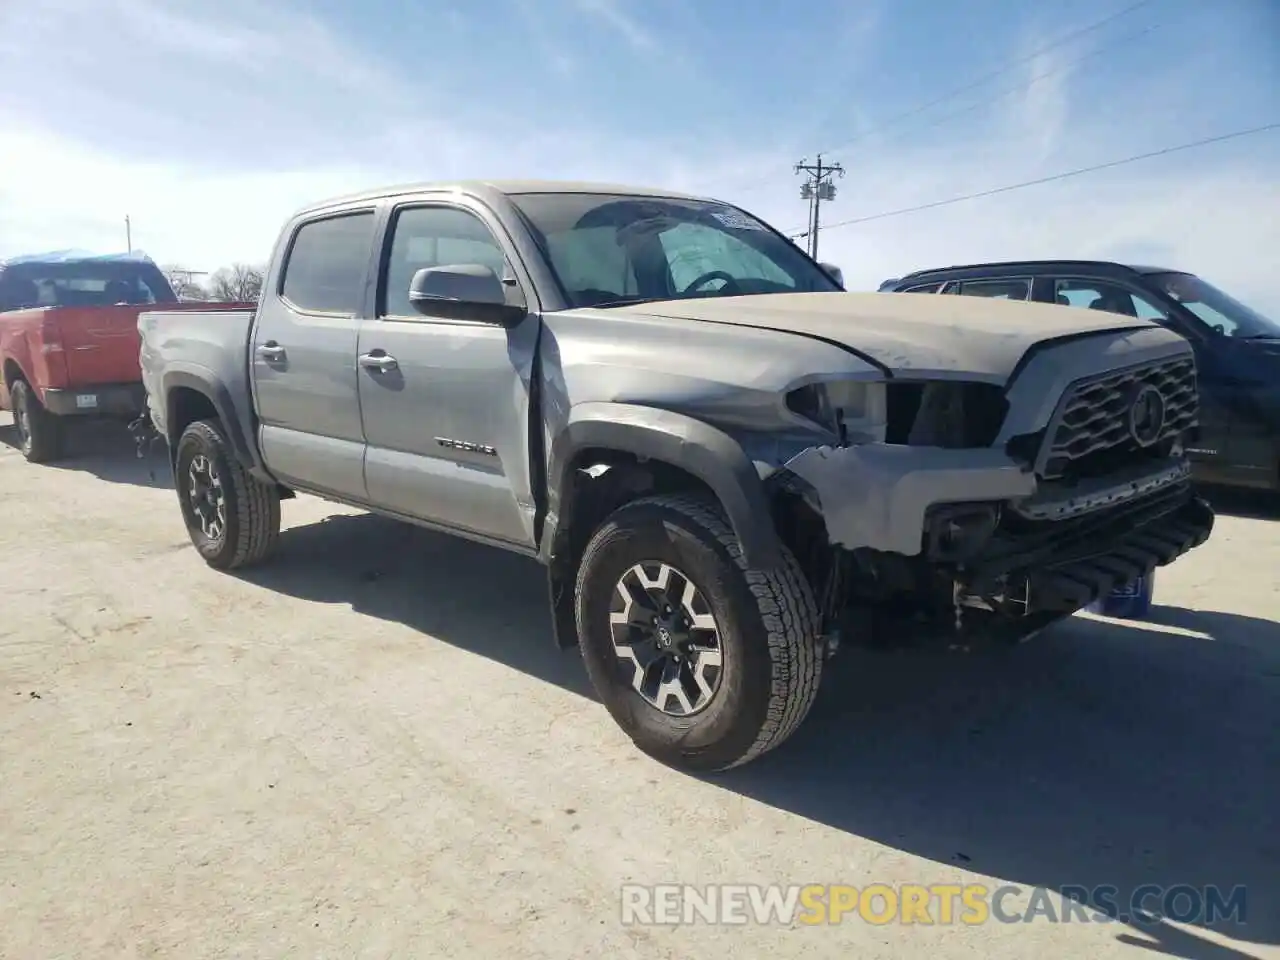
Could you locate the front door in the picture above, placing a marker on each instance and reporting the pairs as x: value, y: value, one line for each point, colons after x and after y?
x: 445, y: 402
x: 303, y: 357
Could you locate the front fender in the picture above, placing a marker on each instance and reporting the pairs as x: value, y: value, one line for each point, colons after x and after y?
x: 702, y: 450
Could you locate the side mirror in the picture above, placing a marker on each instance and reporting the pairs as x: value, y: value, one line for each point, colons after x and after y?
x: 836, y: 273
x: 463, y: 291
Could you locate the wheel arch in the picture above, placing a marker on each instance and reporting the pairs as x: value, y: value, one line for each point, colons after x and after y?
x: 12, y: 372
x: 708, y: 455
x: 191, y: 396
x: 641, y: 450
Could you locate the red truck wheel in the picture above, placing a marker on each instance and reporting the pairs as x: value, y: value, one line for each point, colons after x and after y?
x: 40, y: 433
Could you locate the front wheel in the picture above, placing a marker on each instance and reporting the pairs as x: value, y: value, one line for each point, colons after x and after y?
x: 232, y: 517
x: 703, y: 661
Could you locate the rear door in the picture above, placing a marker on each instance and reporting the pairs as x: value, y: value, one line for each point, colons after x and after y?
x: 446, y: 402
x: 303, y: 354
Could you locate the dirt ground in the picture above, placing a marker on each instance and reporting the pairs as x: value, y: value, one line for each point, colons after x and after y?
x: 371, y: 749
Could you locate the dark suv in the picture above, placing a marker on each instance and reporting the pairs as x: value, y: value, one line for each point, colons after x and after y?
x: 1237, y: 349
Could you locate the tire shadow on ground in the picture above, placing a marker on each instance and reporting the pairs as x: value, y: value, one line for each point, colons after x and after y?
x: 105, y: 449
x: 1104, y: 753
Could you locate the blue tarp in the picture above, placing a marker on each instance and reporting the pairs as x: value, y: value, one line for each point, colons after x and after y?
x: 78, y: 256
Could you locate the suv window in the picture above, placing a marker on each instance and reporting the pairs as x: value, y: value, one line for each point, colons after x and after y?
x: 1111, y: 297
x: 434, y: 237
x: 995, y: 289
x: 924, y: 288
x: 327, y: 262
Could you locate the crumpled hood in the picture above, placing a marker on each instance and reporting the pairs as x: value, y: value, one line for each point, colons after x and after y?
x: 909, y: 334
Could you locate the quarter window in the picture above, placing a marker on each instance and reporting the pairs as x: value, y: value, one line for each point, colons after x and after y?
x: 434, y: 237
x: 327, y: 263
x: 996, y: 289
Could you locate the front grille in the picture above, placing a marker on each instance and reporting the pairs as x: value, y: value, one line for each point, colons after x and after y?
x: 1092, y: 422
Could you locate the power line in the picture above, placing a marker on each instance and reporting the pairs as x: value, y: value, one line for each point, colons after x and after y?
x: 974, y: 84
x: 1050, y: 179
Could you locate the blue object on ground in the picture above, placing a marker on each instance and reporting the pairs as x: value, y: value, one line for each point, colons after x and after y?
x: 1130, y: 602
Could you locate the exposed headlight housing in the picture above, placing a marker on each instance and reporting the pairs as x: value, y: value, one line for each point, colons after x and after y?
x: 936, y: 413
x: 854, y: 410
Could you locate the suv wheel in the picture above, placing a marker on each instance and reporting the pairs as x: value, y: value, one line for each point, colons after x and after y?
x: 232, y: 517
x: 40, y: 433
x: 704, y: 662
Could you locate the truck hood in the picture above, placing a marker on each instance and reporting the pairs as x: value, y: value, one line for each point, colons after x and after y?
x: 906, y: 334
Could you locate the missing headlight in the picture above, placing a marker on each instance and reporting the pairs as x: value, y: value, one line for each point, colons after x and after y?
x: 944, y: 413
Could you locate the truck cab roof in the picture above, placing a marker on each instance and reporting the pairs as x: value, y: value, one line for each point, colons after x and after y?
x: 497, y: 187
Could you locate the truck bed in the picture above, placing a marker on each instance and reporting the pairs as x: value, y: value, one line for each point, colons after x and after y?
x: 178, y: 342
x: 74, y: 348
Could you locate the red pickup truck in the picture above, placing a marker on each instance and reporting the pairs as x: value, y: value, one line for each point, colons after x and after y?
x: 69, y: 340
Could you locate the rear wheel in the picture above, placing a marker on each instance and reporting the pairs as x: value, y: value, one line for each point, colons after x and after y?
x: 232, y: 517
x: 703, y: 661
x: 40, y: 433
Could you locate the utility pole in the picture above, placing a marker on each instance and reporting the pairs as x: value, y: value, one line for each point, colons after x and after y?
x: 128, y: 234
x: 815, y: 189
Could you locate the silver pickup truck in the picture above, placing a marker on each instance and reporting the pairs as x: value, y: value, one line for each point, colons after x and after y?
x: 724, y: 461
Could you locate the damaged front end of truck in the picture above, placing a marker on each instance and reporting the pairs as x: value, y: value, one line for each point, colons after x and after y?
x: 960, y: 510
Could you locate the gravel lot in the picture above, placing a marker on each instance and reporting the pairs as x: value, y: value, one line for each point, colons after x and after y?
x: 371, y: 749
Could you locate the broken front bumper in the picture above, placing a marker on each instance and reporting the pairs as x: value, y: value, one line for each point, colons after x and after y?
x: 1003, y: 539
x: 1063, y: 566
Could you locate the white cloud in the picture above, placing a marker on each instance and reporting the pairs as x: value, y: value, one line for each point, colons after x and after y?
x: 615, y: 14
x: 211, y: 182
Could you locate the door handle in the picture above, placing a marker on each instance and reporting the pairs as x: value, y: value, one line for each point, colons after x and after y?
x: 378, y: 362
x: 271, y: 352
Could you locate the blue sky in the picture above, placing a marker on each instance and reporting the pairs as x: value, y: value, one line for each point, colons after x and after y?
x: 208, y: 123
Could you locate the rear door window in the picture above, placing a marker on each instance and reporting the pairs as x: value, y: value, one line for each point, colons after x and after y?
x: 1108, y: 297
x: 327, y: 264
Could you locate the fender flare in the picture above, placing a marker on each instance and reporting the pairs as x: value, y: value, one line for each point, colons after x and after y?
x: 702, y: 450
x: 213, y: 389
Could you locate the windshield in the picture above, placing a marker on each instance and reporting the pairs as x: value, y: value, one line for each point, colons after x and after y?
x: 607, y: 249
x: 1218, y: 310
x: 82, y: 284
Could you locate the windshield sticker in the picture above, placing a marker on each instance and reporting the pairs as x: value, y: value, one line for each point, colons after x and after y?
x: 736, y: 219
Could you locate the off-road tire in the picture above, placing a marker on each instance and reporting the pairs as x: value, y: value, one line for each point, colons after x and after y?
x: 768, y: 623
x: 252, y: 526
x: 45, y: 437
